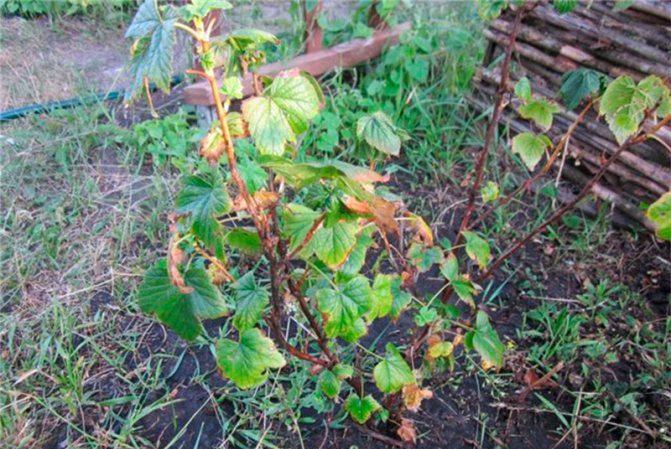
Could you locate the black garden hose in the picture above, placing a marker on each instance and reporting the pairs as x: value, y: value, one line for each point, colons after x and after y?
x: 38, y: 108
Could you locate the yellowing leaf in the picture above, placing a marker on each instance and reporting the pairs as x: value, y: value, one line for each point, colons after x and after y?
x: 659, y: 213
x: 477, y: 248
x: 382, y: 298
x: 361, y: 409
x: 283, y: 111
x: 333, y: 244
x: 530, y: 147
x: 440, y: 349
x: 490, y: 192
x: 540, y: 110
x: 247, y: 361
x: 392, y: 373
x: 379, y: 132
x: 344, y: 306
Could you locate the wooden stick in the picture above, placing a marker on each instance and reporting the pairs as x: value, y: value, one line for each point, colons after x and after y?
x: 578, y: 25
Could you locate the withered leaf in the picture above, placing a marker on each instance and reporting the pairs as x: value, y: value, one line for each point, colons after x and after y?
x: 414, y: 395
x: 406, y: 431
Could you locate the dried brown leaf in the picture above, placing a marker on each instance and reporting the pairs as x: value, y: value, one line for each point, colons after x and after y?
x: 414, y: 395
x: 407, y: 432
x: 176, y: 257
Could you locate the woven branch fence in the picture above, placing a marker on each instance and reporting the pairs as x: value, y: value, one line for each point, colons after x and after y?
x: 635, y: 42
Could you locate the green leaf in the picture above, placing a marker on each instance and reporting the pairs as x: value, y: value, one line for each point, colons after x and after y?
x: 653, y: 92
x: 358, y: 330
x: 382, y: 298
x: 203, y: 197
x: 425, y: 316
x: 361, y: 409
x: 523, y: 89
x: 330, y: 381
x: 346, y: 177
x: 247, y: 241
x: 248, y: 38
x: 579, y: 84
x: 461, y: 284
x: 622, y: 107
x: 283, y: 111
x: 489, y: 192
x: 200, y: 8
x: 252, y: 173
x: 146, y: 20
x: 298, y: 220
x: 531, y: 147
x: 179, y: 311
x: 419, y: 69
x: 333, y: 244
x: 329, y: 384
x: 624, y: 103
x: 379, y: 132
x: 424, y: 258
x: 343, y: 306
x: 564, y: 6
x: 357, y: 257
x: 621, y: 5
x: 659, y: 213
x: 392, y: 373
x: 246, y: 362
x: 540, y: 110
x: 250, y: 302
x: 485, y: 340
x: 477, y: 249
x: 232, y: 88
x: 490, y: 9
x: 153, y: 56
x: 401, y: 298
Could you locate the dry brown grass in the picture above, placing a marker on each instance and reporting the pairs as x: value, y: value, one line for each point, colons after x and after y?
x: 41, y: 63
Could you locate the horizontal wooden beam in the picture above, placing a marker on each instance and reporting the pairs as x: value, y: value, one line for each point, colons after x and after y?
x: 347, y: 54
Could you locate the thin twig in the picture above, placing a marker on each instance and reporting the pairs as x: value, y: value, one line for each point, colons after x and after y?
x: 637, y: 138
x: 548, y: 164
x: 491, y: 128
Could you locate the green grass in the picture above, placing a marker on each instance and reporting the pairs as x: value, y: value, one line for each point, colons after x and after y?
x: 84, y: 213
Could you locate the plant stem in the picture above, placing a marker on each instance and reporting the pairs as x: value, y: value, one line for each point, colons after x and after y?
x: 639, y: 137
x: 491, y: 128
x: 546, y: 168
x: 307, y: 238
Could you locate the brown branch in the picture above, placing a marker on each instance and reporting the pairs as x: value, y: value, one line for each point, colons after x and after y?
x: 378, y: 436
x: 307, y: 238
x: 546, y: 168
x: 491, y: 128
x: 322, y: 341
x: 294, y: 351
x: 214, y: 261
x: 639, y: 137
x: 257, y: 214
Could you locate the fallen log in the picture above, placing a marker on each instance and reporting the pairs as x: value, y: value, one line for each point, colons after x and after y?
x: 317, y: 63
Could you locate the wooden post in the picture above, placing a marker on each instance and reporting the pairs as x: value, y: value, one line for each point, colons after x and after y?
x: 314, y: 36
